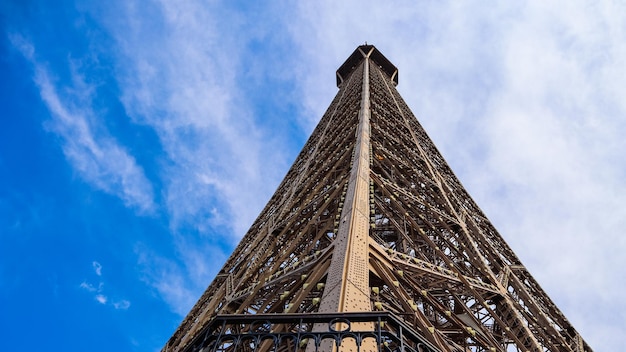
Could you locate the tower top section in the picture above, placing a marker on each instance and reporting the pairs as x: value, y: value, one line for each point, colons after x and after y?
x: 359, y: 54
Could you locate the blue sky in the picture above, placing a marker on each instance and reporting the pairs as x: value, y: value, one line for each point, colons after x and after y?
x: 140, y: 139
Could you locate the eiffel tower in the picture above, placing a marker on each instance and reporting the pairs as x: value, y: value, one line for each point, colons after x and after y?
x: 371, y: 243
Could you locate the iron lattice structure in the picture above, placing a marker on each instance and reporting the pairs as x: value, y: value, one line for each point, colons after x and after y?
x: 370, y: 243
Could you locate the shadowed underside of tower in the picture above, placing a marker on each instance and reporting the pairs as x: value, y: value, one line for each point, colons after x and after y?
x: 370, y: 243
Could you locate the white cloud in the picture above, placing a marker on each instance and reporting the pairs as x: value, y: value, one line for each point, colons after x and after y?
x: 123, y: 304
x: 180, y: 283
x: 102, y: 299
x: 97, y: 157
x: 88, y: 287
x: 185, y: 80
x: 168, y: 279
x: 99, y: 296
x: 97, y: 267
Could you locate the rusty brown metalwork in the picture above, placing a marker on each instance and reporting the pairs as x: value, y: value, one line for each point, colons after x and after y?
x: 370, y: 218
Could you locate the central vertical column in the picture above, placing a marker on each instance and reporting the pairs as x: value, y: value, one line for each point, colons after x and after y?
x: 347, y: 284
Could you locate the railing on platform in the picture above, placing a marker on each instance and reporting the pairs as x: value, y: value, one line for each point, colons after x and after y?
x: 300, y: 332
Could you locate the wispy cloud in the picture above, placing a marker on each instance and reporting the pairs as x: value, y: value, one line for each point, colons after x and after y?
x: 99, y: 292
x: 97, y: 267
x: 102, y: 299
x: 91, y: 288
x: 122, y: 305
x: 180, y: 282
x: 169, y: 280
x: 96, y: 156
x: 188, y: 88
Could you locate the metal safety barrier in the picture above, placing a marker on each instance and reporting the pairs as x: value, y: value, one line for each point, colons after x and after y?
x: 312, y: 332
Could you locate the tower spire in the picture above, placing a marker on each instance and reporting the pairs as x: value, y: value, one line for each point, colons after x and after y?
x: 371, y: 243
